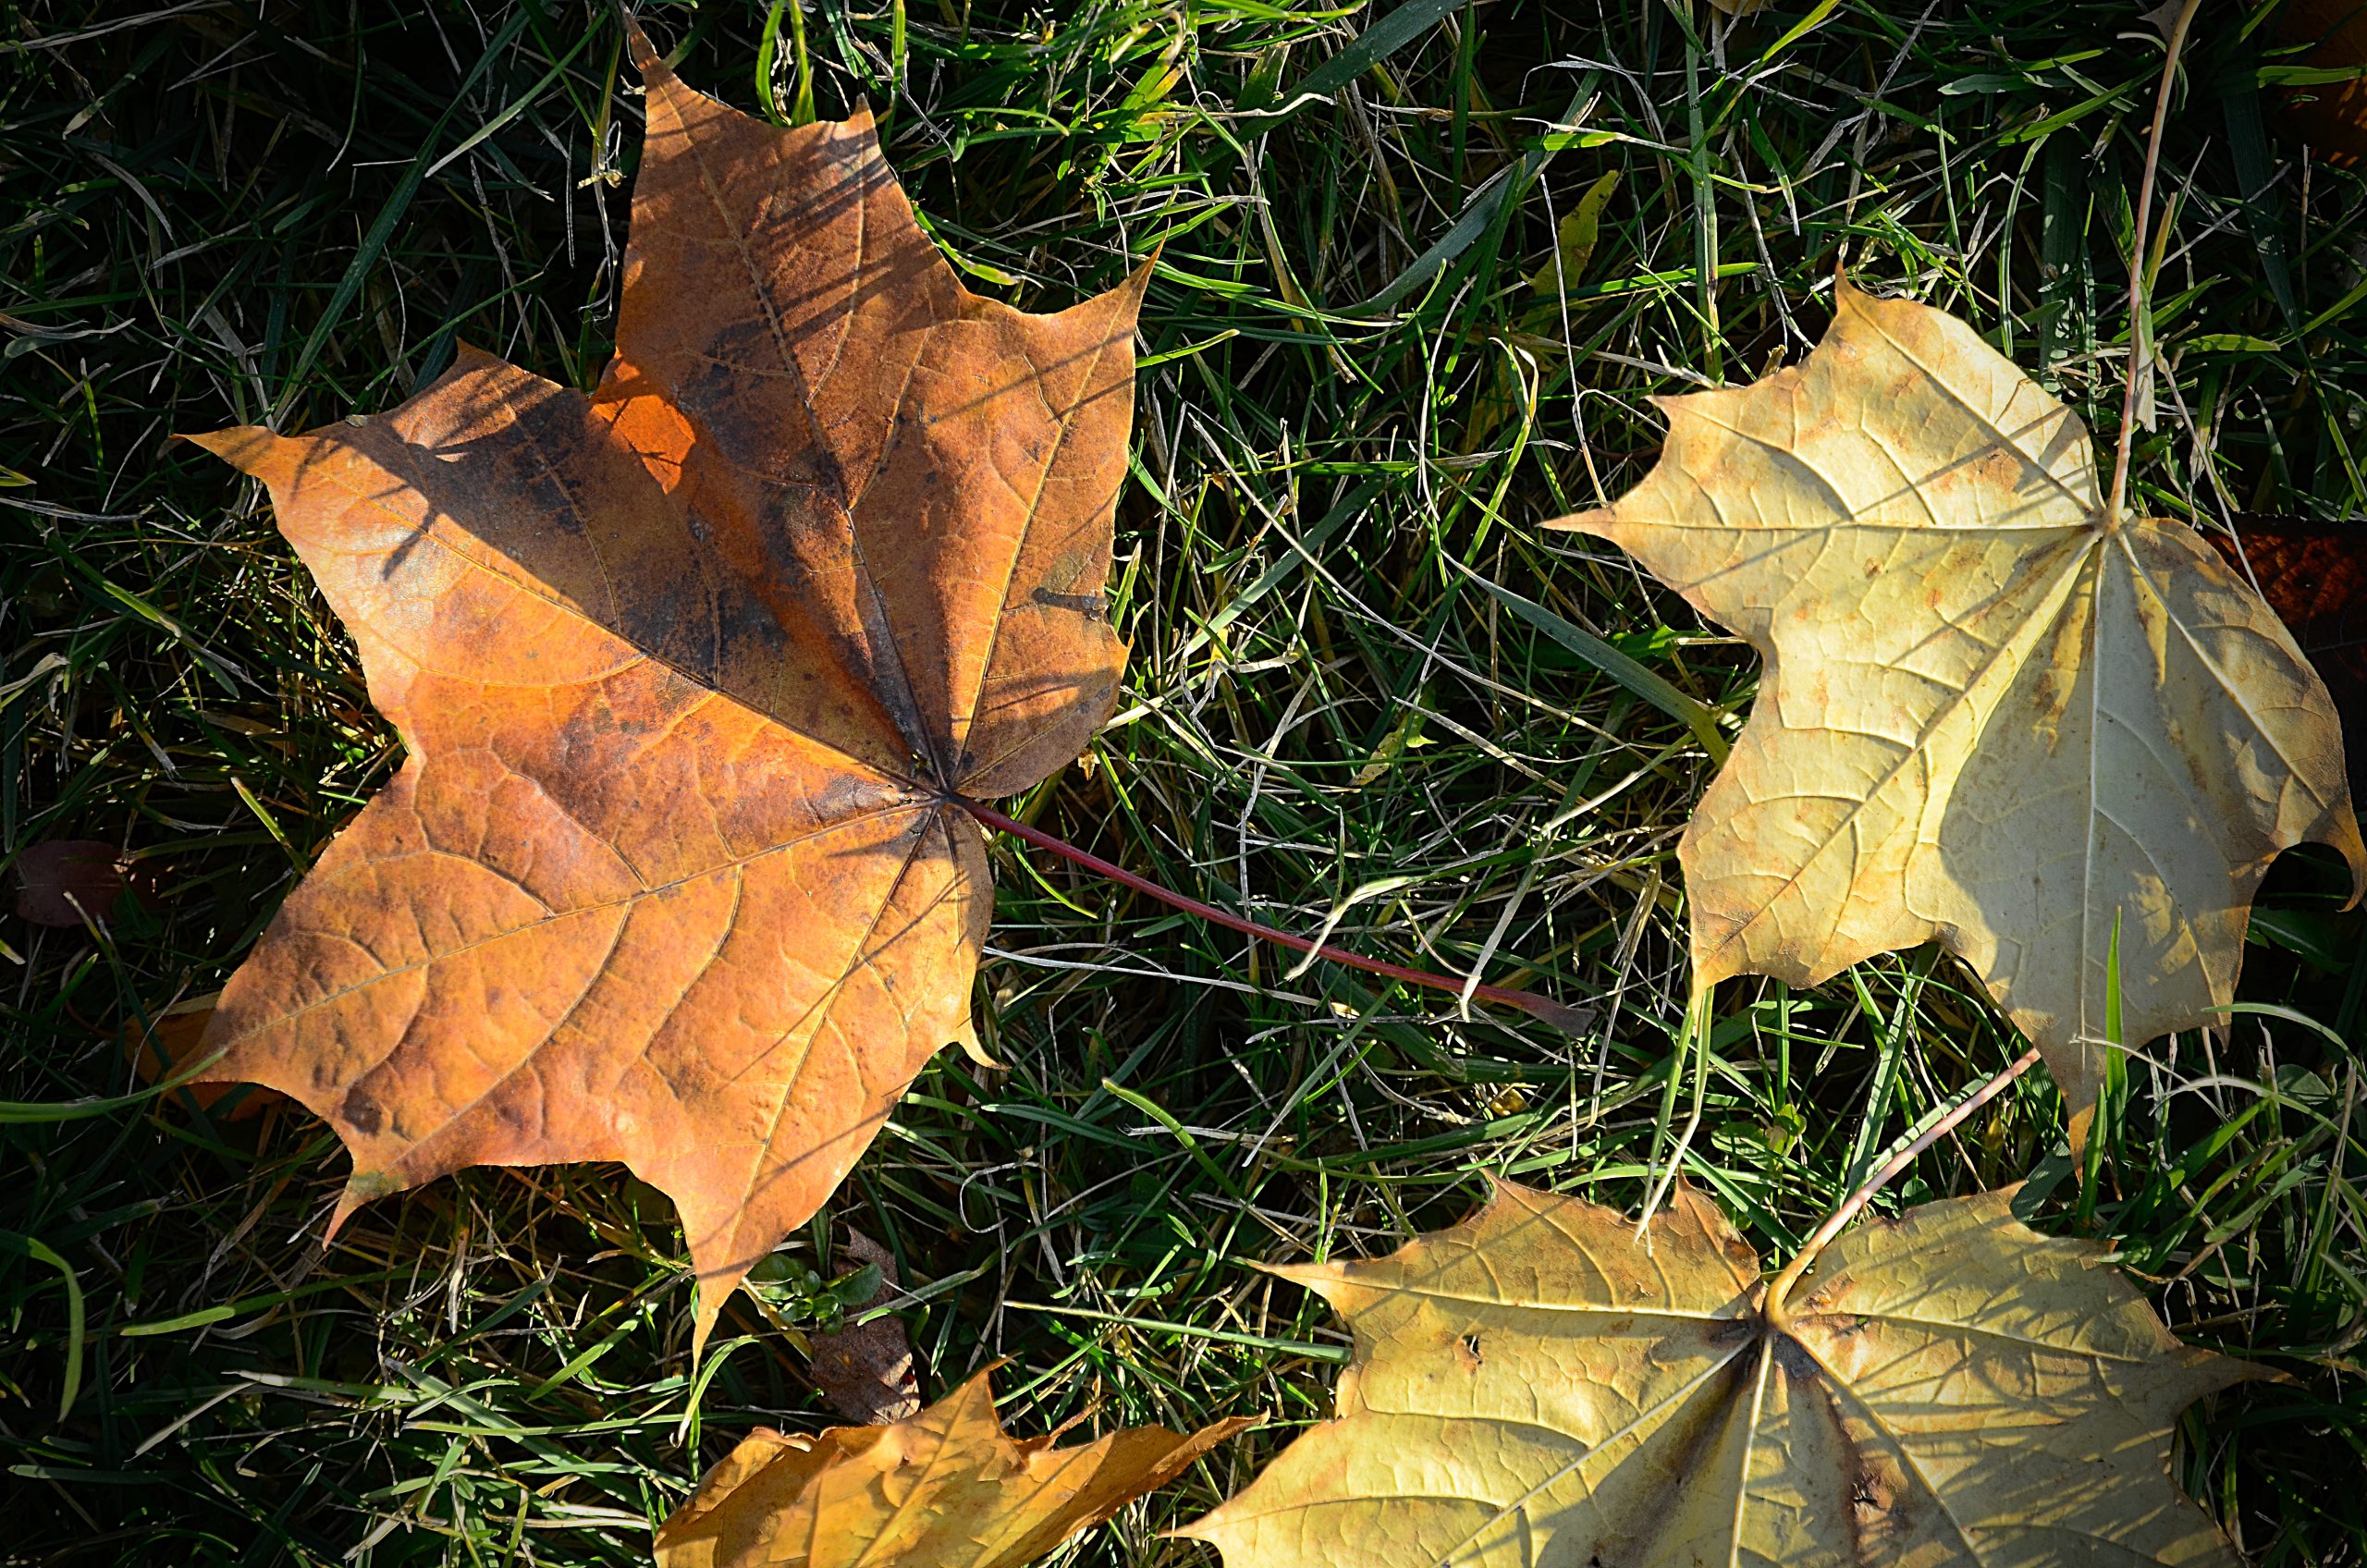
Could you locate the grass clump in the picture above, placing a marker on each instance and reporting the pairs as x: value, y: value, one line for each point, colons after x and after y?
x: 1356, y: 405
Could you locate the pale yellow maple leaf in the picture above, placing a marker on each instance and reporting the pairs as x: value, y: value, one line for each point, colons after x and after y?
x: 1990, y: 716
x: 1539, y: 1387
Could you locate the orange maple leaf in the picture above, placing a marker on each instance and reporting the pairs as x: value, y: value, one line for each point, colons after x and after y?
x: 945, y: 1487
x: 689, y: 673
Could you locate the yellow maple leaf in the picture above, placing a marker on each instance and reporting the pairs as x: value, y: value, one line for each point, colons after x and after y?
x: 1992, y: 716
x: 945, y: 1487
x: 1540, y: 1387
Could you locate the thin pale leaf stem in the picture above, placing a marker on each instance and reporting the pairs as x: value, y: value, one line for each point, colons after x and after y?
x: 2140, y: 340
x: 1781, y: 1290
x: 1568, y: 1019
x: 1694, y: 1041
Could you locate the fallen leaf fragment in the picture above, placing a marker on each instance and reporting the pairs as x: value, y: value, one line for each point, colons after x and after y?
x: 1573, y: 240
x: 66, y: 881
x: 687, y: 671
x: 946, y: 1488
x: 1990, y: 716
x: 1538, y: 1387
x: 2330, y: 114
x: 2163, y: 18
x: 864, y: 1370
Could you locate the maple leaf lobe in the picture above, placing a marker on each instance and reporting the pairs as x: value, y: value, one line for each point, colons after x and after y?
x: 1990, y: 716
x: 2314, y: 576
x: 1000, y: 432
x: 685, y: 670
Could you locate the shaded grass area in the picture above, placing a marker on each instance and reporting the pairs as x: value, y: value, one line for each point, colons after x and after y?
x: 1355, y: 407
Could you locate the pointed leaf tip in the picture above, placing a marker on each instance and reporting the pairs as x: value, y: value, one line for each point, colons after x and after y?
x: 644, y: 54
x: 975, y: 1048
x: 358, y: 1191
x: 709, y: 1291
x: 1320, y: 1278
x: 1135, y: 284
x: 243, y: 446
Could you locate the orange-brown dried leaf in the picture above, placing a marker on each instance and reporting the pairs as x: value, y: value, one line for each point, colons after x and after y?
x: 946, y: 1488
x: 685, y: 670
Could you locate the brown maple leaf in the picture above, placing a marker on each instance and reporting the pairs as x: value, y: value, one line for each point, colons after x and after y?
x: 688, y: 673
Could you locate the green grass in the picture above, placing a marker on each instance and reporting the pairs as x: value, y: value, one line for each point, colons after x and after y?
x: 1355, y: 409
